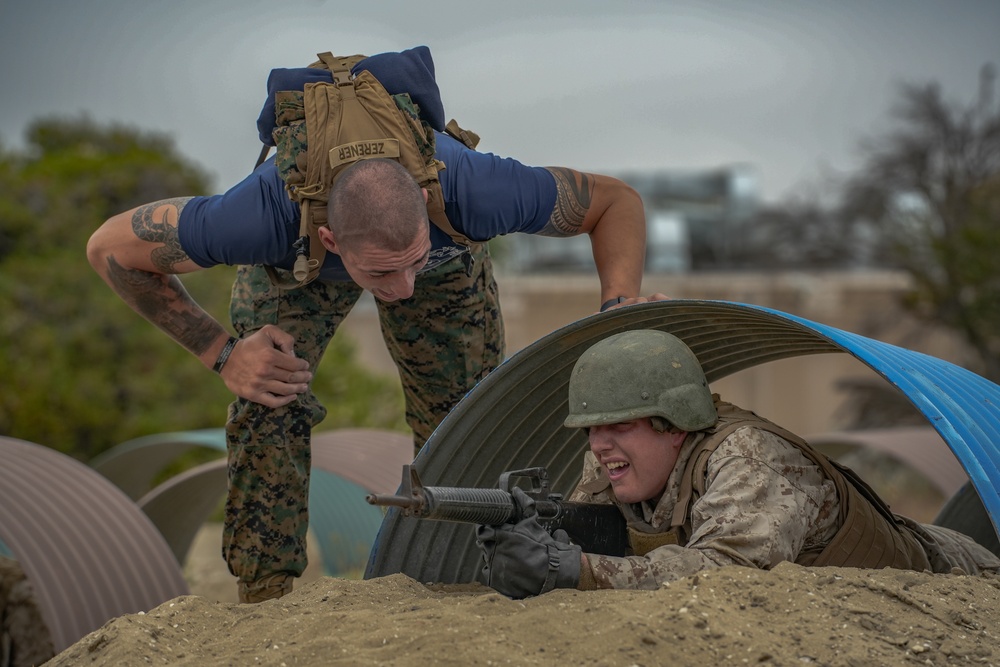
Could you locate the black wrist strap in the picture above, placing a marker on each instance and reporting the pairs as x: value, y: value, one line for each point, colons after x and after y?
x: 227, y: 349
x: 611, y: 302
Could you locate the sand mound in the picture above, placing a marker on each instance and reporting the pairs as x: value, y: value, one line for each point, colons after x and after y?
x: 788, y: 616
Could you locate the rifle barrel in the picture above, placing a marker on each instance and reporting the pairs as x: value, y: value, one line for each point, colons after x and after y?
x: 395, y: 501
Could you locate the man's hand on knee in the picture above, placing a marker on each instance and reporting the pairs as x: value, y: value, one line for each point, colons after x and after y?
x: 263, y: 368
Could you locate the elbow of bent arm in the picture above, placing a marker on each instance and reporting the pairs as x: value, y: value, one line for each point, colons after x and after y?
x: 627, y: 197
x: 633, y: 195
x: 621, y: 203
x: 102, y: 243
x: 97, y: 248
x: 636, y: 205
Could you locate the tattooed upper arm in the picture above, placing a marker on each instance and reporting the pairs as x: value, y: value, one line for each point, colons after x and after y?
x: 157, y: 223
x: 574, y: 193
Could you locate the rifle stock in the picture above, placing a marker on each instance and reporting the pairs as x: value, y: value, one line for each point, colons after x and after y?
x: 596, y: 528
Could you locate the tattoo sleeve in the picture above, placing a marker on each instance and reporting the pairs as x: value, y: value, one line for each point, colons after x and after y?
x: 154, y: 229
x: 574, y: 190
x: 162, y: 300
x: 159, y: 296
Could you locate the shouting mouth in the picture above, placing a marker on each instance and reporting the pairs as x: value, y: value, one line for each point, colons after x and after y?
x: 616, y: 469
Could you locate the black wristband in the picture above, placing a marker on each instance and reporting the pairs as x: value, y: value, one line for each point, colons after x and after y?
x: 227, y: 349
x: 612, y: 302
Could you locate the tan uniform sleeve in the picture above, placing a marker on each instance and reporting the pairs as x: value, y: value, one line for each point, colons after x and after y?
x: 592, y: 484
x: 763, y: 502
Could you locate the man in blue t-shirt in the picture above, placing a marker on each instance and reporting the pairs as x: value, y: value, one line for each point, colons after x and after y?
x: 438, y: 306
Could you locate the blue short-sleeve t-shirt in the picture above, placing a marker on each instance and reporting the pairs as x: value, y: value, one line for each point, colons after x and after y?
x: 255, y: 222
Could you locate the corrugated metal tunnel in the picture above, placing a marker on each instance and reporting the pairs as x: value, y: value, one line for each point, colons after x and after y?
x: 513, y: 418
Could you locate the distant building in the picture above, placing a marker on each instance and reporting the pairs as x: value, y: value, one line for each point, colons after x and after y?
x: 693, y: 222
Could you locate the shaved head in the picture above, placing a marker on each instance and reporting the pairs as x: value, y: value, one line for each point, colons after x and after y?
x: 376, y: 202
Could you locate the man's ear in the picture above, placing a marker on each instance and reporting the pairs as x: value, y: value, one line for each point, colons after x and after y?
x: 327, y: 239
x: 424, y: 190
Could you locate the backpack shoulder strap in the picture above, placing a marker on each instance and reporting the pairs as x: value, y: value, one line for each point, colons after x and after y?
x: 339, y: 66
x: 470, y: 139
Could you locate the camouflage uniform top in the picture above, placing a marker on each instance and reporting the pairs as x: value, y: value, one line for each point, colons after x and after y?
x: 764, y: 503
x: 759, y: 499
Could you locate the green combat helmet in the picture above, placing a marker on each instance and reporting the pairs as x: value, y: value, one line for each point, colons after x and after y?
x: 638, y: 374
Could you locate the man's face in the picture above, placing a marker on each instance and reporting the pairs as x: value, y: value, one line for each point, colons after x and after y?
x: 387, y: 275
x: 636, y: 457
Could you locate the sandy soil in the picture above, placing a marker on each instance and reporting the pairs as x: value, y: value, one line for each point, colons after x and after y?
x: 732, y: 616
x: 788, y: 616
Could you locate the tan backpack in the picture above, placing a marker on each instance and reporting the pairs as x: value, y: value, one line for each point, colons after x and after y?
x: 328, y: 126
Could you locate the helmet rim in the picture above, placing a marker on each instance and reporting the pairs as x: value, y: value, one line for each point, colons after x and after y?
x: 638, y: 374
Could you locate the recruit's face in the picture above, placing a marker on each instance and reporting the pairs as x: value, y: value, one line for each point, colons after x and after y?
x: 388, y: 275
x: 637, y: 458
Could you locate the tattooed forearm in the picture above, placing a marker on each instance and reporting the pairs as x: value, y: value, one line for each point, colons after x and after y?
x: 163, y: 301
x: 574, y: 190
x: 155, y: 229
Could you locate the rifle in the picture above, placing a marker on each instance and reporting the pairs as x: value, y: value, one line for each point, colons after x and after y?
x: 596, y: 528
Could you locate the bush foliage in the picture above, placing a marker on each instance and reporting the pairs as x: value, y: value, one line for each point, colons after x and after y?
x: 81, y: 371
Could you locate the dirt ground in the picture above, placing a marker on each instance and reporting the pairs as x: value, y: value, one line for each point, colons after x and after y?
x: 730, y: 616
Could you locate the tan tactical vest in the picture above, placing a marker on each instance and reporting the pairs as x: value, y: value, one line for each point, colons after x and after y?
x: 870, y: 535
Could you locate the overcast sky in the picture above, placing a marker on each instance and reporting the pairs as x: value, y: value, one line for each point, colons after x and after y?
x: 788, y: 87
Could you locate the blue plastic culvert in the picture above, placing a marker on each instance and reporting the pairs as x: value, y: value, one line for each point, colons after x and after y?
x: 513, y: 418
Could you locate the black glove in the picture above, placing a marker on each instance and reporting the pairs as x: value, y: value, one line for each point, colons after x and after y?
x: 522, y: 559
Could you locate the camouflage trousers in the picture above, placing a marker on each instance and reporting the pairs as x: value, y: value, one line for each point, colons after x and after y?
x: 444, y: 339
